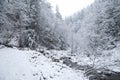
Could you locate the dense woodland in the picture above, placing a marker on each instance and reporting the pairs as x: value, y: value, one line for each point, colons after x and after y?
x: 28, y: 23
x: 92, y: 33
x: 97, y: 27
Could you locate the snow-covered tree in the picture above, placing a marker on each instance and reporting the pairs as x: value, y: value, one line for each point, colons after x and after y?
x: 97, y: 26
x: 29, y: 23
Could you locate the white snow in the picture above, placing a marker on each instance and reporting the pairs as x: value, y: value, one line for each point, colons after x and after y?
x: 31, y: 65
x: 14, y: 65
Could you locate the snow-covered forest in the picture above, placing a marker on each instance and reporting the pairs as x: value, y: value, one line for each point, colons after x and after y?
x: 37, y: 43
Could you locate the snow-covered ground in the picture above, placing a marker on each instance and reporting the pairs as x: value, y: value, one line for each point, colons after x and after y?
x: 27, y: 64
x: 31, y: 65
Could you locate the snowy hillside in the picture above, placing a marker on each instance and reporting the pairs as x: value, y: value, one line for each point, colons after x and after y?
x: 31, y: 65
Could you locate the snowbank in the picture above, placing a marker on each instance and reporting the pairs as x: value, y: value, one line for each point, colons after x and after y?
x: 31, y: 65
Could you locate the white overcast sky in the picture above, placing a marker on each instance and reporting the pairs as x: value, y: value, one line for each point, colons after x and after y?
x: 68, y: 7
